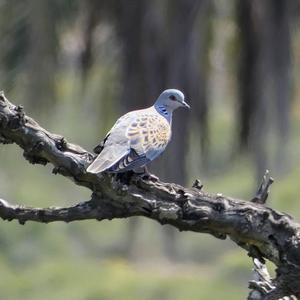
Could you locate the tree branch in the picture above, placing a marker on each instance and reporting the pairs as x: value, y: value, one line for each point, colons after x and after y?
x: 261, y: 284
x: 262, y: 231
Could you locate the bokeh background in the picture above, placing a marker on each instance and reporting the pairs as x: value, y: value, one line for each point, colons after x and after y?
x: 78, y: 65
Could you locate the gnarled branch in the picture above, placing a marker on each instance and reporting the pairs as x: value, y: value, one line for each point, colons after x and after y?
x: 262, y: 231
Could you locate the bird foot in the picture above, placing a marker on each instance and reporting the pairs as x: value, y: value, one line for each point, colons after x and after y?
x: 149, y: 176
x: 146, y: 175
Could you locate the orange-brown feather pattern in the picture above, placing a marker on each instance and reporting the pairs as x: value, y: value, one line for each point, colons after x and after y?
x: 149, y: 131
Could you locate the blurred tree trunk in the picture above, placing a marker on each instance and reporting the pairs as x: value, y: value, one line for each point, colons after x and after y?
x: 187, y: 23
x: 142, y: 73
x: 264, y: 75
x: 14, y: 41
x: 282, y: 15
x: 91, y: 11
x: 41, y: 58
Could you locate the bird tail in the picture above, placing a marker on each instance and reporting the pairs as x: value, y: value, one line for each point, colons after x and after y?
x: 106, y: 159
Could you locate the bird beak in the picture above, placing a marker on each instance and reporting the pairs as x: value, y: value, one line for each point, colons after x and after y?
x: 184, y: 104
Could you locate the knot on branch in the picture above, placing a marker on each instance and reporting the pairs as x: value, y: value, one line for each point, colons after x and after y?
x: 4, y: 140
x: 33, y: 154
x: 61, y: 143
x: 17, y: 120
x: 168, y: 213
x: 20, y: 114
x: 196, y: 212
x: 2, y: 99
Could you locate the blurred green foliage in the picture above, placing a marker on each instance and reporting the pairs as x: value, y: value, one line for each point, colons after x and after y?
x: 113, y: 279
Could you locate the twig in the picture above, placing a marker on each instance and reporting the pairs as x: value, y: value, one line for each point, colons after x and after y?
x: 264, y: 189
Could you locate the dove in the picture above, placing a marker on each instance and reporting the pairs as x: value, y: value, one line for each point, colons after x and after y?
x: 139, y: 136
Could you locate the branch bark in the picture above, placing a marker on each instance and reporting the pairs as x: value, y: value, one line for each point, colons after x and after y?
x: 263, y: 232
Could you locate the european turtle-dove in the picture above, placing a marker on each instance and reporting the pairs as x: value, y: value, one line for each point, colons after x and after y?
x: 139, y: 136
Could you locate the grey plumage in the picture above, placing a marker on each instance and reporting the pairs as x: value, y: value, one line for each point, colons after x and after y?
x: 139, y: 136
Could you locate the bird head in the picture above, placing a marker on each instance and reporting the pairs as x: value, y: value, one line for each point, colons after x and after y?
x: 172, y: 99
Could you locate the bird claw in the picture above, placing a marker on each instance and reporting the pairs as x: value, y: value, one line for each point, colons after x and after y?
x: 146, y: 175
x: 149, y: 176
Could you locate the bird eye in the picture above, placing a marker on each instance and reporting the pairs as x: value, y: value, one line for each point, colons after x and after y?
x: 172, y: 97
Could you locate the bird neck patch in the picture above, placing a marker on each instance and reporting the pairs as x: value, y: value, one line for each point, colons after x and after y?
x: 162, y: 110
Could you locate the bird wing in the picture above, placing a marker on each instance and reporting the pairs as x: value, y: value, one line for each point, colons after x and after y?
x: 149, y: 134
x: 114, y: 146
x: 135, y: 139
x: 107, y: 158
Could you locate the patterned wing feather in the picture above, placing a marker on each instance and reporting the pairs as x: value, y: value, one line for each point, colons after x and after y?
x: 108, y: 157
x: 129, y: 162
x: 137, y: 138
x: 114, y: 147
x: 149, y: 134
